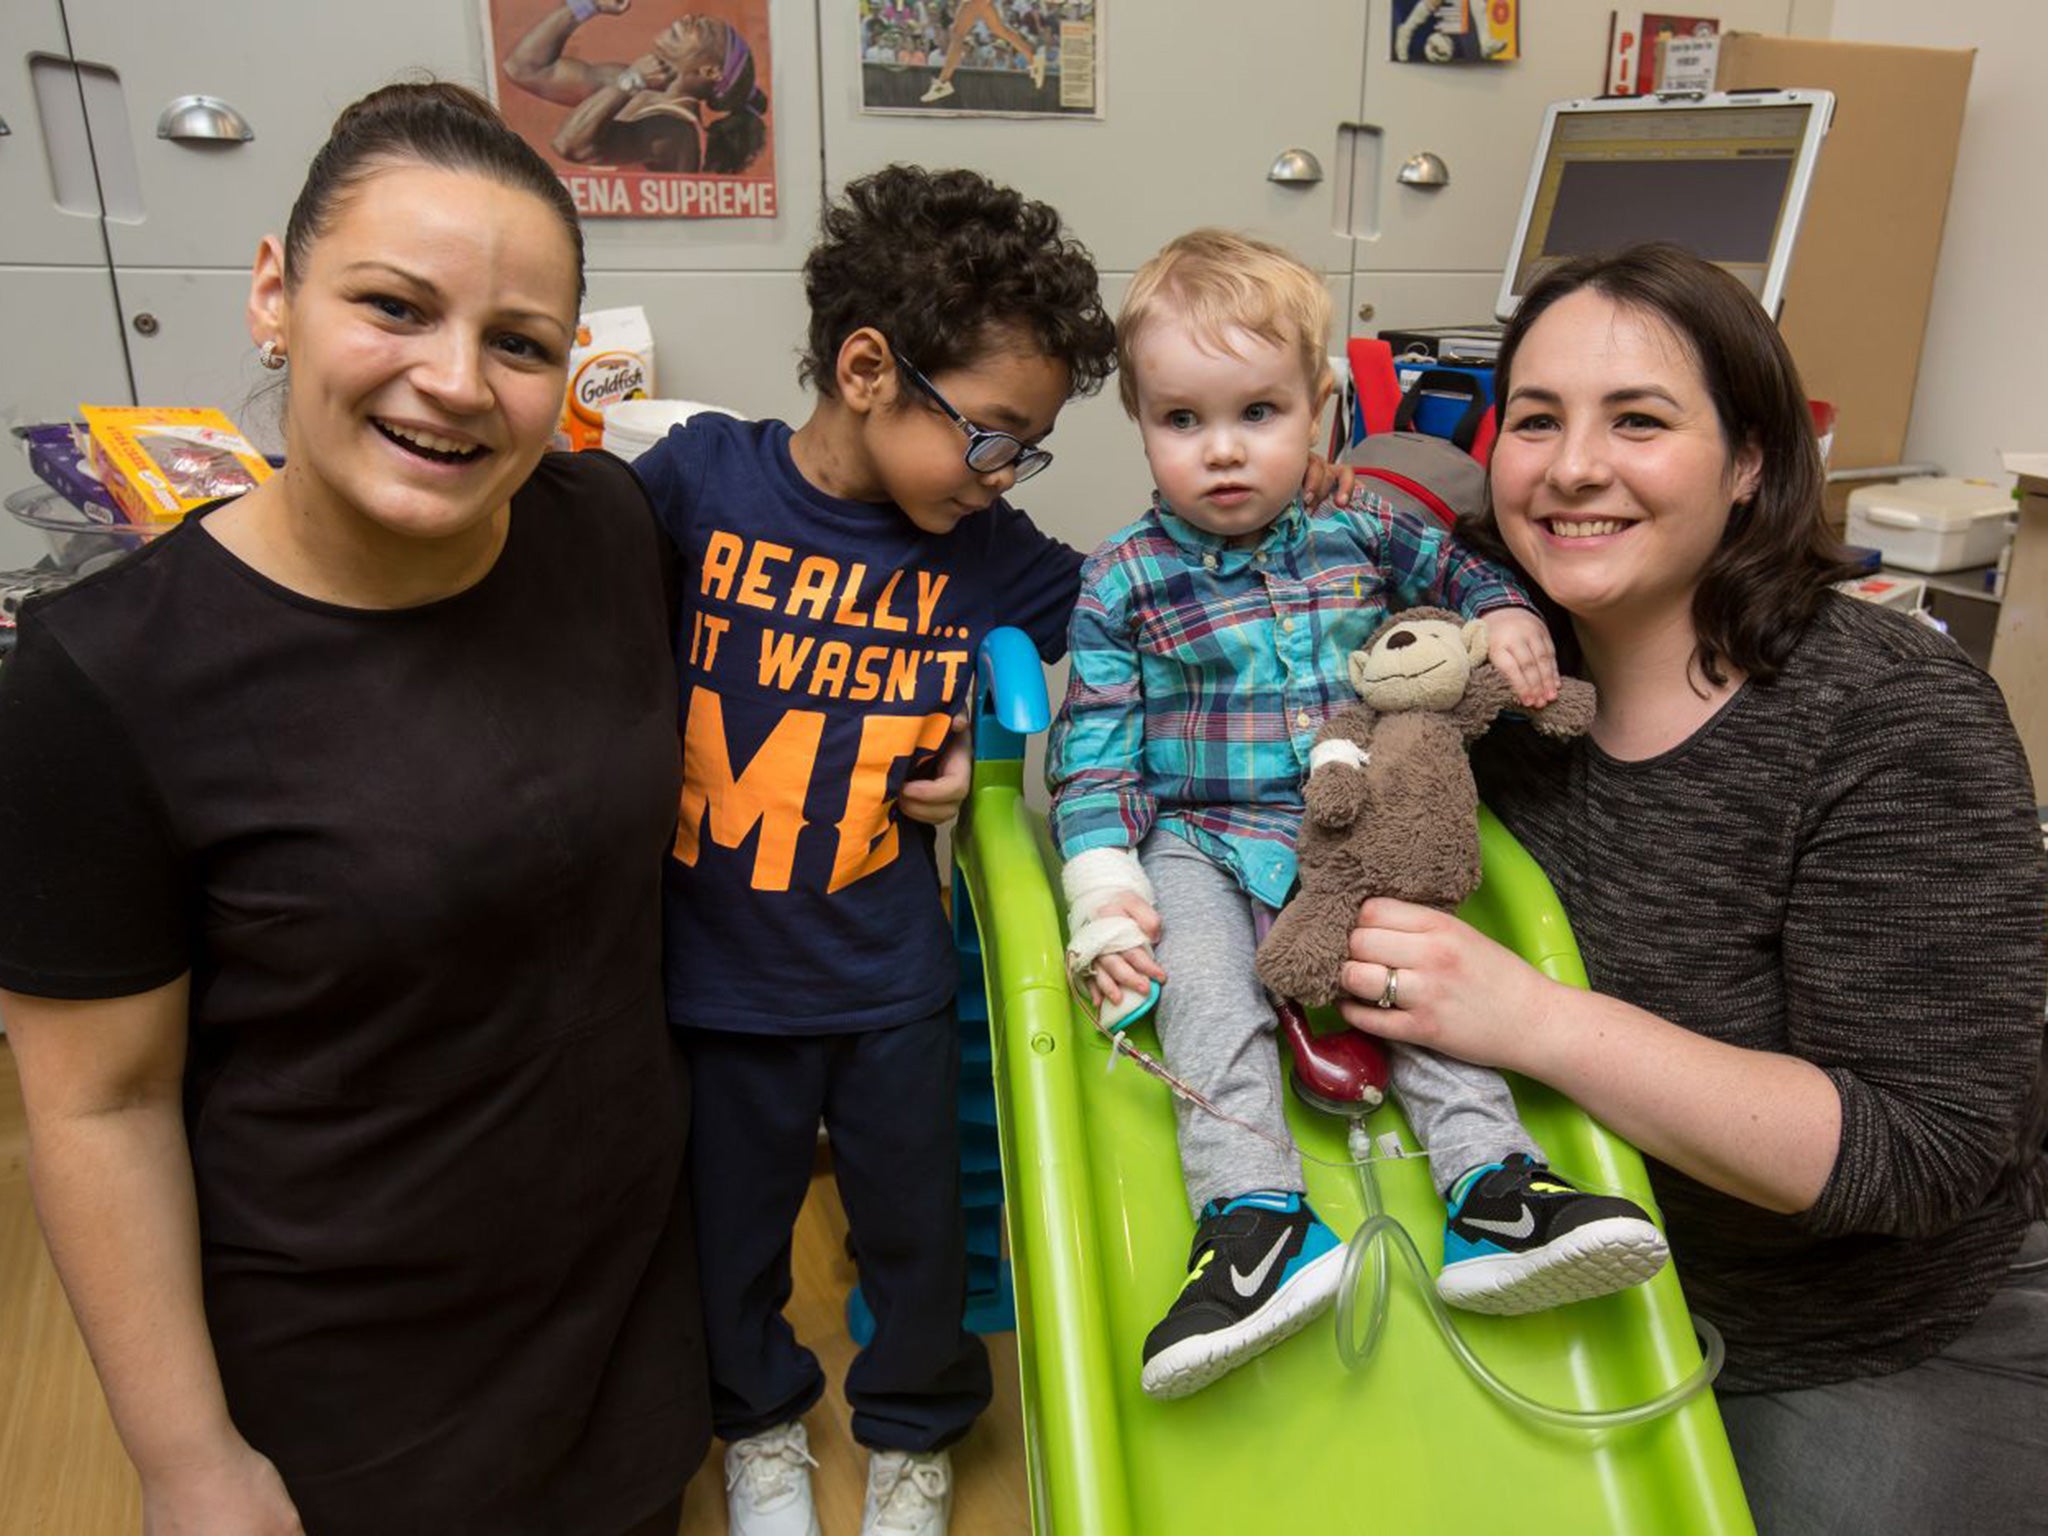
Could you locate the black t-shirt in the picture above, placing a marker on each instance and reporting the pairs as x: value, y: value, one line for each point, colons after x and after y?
x: 412, y: 860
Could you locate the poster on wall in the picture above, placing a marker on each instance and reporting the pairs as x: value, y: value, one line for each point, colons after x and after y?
x: 981, y: 58
x: 1456, y: 31
x: 647, y: 109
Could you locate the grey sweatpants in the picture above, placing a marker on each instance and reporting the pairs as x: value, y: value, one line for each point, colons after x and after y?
x: 1955, y: 1443
x: 1216, y: 1032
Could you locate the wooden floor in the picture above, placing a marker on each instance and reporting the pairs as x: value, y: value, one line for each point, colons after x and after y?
x: 62, y: 1472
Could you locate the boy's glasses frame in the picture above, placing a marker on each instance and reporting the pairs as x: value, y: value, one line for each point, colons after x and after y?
x: 987, y: 452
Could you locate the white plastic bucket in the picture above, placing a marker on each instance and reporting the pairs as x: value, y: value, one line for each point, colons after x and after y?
x: 633, y: 426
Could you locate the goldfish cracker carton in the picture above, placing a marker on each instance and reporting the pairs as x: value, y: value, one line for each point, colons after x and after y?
x: 613, y: 360
x: 159, y: 462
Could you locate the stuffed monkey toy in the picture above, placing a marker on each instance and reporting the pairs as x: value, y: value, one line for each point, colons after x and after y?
x: 1391, y: 808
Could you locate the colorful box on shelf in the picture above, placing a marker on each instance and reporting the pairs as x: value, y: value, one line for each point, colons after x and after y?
x: 159, y: 462
x: 59, y: 453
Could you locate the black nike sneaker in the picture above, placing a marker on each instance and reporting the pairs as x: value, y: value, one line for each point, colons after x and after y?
x: 1261, y: 1268
x: 1520, y: 1239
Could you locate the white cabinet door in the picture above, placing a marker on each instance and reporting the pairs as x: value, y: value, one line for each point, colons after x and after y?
x: 1481, y: 120
x: 1200, y: 99
x: 284, y: 66
x: 288, y: 66
x: 49, y: 203
x: 189, y: 345
x: 62, y: 348
x: 57, y: 310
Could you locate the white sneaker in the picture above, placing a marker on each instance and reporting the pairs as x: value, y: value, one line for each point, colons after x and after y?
x: 909, y: 1494
x: 768, y: 1484
x: 940, y: 90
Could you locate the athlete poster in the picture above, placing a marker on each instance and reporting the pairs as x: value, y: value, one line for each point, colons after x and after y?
x: 647, y: 109
x: 981, y: 58
x: 1456, y: 31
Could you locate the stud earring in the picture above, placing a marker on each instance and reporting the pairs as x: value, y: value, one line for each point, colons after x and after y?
x: 268, y: 354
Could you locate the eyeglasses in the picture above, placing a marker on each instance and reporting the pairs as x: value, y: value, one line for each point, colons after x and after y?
x: 987, y: 451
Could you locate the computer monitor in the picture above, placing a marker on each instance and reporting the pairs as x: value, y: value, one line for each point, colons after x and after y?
x: 1725, y: 175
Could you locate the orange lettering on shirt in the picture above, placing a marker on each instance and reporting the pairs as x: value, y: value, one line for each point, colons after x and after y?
x: 867, y: 676
x: 902, y: 678
x: 868, y: 838
x: 884, y: 619
x: 721, y: 560
x: 829, y: 675
x: 952, y: 661
x: 705, y: 632
x: 812, y: 588
x: 754, y: 585
x: 768, y: 794
x: 846, y: 613
x: 929, y: 589
x: 782, y: 657
x: 714, y: 630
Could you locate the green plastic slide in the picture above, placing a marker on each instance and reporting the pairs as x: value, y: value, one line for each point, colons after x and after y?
x: 1293, y: 1442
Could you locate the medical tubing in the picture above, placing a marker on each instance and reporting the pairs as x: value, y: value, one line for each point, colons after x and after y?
x: 1370, y: 1242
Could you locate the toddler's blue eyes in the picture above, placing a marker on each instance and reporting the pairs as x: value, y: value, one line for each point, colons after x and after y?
x: 1260, y: 412
x: 1180, y: 421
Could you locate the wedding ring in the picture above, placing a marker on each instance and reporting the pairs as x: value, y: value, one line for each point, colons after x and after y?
x: 1390, y: 998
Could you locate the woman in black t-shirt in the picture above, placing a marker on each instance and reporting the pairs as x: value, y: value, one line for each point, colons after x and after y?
x: 334, y: 823
x: 1800, y: 855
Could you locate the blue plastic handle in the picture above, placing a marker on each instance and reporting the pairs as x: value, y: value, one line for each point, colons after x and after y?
x: 1010, y: 694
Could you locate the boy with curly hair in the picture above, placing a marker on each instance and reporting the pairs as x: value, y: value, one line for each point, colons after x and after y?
x: 835, y: 580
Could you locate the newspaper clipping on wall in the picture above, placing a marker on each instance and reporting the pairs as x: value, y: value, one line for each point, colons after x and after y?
x: 647, y: 109
x: 981, y: 58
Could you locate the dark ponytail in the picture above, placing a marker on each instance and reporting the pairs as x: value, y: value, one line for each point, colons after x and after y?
x: 433, y: 123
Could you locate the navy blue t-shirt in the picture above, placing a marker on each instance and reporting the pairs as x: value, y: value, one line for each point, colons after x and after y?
x: 823, y: 647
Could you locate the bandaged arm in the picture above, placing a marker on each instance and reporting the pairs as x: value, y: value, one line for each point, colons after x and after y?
x: 1093, y: 881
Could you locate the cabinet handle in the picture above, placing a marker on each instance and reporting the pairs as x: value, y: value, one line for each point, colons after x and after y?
x: 1424, y: 170
x: 203, y: 119
x: 1295, y: 168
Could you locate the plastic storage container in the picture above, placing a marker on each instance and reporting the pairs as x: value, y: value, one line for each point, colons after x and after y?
x: 81, y: 538
x: 633, y: 426
x: 1932, y: 525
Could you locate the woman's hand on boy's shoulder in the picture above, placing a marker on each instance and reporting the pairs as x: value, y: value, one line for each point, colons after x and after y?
x: 1326, y: 481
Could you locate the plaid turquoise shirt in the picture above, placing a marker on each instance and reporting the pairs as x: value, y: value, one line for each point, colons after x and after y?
x: 1202, y: 672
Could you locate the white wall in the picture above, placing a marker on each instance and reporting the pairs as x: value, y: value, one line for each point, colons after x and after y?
x: 1983, y: 382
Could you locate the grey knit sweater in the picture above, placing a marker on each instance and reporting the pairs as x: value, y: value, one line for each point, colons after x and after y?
x: 1844, y: 865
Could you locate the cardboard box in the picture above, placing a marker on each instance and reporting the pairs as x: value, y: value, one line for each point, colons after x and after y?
x: 159, y: 462
x: 2019, y: 651
x: 1863, y: 274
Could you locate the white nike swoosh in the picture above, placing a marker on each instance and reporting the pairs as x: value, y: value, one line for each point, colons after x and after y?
x: 1248, y: 1285
x: 1520, y: 1228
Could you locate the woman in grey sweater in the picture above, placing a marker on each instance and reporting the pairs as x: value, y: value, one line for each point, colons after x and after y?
x: 1801, y: 857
